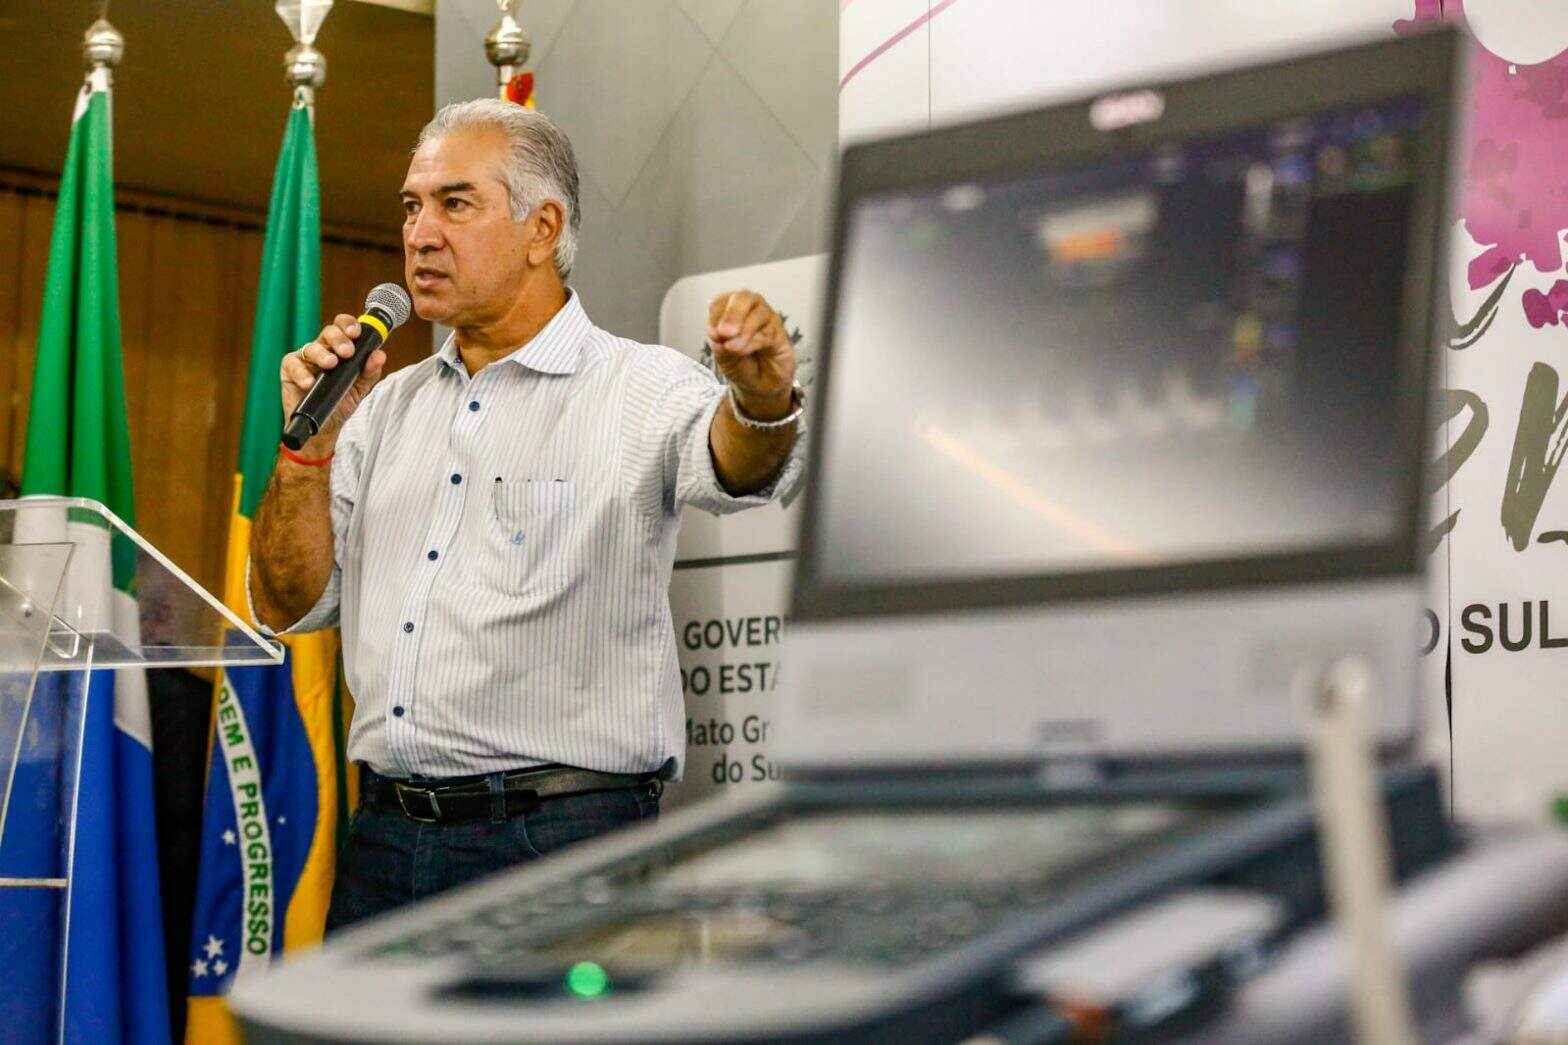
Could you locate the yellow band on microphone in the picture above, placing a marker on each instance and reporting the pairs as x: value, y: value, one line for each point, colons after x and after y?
x: 376, y: 324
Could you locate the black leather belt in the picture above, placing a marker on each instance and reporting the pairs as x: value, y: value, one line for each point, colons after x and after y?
x: 495, y: 796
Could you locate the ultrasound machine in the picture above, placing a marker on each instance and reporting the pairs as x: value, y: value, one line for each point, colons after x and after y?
x: 1118, y: 446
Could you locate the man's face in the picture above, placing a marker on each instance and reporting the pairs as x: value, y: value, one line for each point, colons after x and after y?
x: 464, y: 257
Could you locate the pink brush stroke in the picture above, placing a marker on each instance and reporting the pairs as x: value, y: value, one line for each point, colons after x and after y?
x: 890, y: 42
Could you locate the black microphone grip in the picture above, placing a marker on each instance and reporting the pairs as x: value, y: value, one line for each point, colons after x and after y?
x: 331, y: 385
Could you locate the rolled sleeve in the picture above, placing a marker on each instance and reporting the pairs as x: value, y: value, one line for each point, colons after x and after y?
x: 686, y: 410
x: 324, y: 614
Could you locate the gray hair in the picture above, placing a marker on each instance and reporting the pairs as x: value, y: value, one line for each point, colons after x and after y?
x: 539, y: 162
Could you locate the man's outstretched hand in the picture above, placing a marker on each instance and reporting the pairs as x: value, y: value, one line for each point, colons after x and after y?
x: 753, y: 352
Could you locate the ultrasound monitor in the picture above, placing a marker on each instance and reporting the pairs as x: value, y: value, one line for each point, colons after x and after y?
x: 1182, y: 355
x: 1120, y: 425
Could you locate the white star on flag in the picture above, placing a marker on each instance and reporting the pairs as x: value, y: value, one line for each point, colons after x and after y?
x: 283, y: 820
x: 220, y: 967
x: 214, y: 946
x: 229, y: 838
x: 198, y: 967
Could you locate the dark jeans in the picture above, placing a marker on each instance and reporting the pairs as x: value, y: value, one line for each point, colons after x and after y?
x: 389, y: 860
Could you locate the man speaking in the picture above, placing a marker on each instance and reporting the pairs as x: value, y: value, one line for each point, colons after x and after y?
x: 494, y: 528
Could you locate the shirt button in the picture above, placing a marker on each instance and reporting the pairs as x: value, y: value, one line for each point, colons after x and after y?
x: 398, y: 711
x: 431, y: 555
x: 456, y: 478
x: 408, y: 625
x: 474, y: 405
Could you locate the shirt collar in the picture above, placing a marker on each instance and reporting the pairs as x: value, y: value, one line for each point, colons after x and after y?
x: 557, y: 349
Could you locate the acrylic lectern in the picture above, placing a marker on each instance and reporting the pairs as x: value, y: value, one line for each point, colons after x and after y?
x: 86, y: 605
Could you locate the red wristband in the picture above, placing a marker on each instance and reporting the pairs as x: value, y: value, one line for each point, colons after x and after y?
x: 313, y: 462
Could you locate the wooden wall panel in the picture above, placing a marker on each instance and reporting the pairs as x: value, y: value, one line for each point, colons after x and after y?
x: 348, y: 273
x: 239, y: 273
x: 10, y: 308
x: 173, y: 434
x: 188, y: 279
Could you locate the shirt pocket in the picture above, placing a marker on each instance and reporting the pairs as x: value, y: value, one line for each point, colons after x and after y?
x: 530, y: 521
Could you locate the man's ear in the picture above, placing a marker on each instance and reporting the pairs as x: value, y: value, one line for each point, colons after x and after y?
x: 547, y: 232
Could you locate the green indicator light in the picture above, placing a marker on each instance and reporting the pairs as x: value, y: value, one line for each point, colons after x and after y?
x: 587, y: 979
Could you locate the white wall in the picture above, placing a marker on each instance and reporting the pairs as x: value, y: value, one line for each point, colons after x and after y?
x: 976, y: 56
x: 705, y: 131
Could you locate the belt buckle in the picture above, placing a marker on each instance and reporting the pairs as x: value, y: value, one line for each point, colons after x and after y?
x: 531, y: 798
x: 403, y: 790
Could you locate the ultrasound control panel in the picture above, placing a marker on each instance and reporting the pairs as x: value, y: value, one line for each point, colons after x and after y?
x: 878, y: 888
x: 886, y: 913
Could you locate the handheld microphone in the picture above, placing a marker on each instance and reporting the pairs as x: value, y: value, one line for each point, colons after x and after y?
x: 386, y: 308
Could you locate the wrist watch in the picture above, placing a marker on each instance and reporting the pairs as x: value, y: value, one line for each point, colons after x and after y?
x: 797, y: 402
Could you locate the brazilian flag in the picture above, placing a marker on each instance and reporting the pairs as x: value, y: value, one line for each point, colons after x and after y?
x: 277, y: 790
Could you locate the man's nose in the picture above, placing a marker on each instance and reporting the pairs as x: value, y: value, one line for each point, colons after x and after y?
x: 424, y: 233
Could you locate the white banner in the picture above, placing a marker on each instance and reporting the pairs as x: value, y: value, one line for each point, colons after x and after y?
x: 730, y: 589
x: 1500, y: 524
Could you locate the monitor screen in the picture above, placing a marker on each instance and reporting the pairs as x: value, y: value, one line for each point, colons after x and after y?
x: 1182, y: 354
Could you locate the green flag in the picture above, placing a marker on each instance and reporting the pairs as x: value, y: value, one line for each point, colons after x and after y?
x: 78, y: 442
x: 288, y: 302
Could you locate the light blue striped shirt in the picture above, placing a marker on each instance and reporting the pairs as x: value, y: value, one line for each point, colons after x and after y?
x: 503, y: 548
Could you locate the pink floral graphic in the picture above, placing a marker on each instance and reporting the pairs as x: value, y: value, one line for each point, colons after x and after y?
x: 1548, y: 309
x: 1515, y: 196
